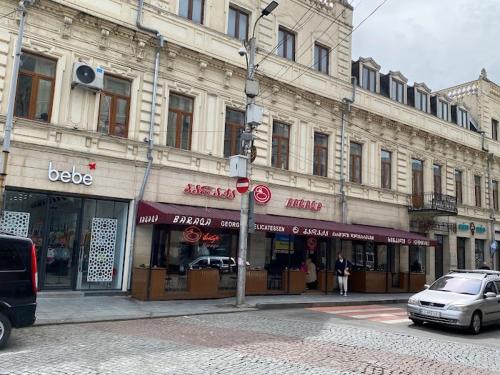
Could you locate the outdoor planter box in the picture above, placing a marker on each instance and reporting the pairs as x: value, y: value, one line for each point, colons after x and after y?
x: 330, y: 276
x: 417, y: 282
x: 297, y: 283
x: 203, y: 283
x: 140, y: 283
x: 256, y: 282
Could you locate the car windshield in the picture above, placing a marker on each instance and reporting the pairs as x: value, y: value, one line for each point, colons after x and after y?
x: 459, y: 285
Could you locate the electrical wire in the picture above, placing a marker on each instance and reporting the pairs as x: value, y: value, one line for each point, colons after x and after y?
x: 8, y: 14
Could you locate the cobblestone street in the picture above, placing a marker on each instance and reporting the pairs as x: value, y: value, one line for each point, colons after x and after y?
x: 257, y: 342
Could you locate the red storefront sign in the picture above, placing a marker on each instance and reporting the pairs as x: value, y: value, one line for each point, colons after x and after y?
x: 303, y: 204
x: 210, y: 191
x: 194, y: 234
x: 262, y: 194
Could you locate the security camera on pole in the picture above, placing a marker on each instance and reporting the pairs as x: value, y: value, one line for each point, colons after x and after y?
x: 240, y: 166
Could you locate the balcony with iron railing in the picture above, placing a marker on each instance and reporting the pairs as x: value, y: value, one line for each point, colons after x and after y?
x: 434, y: 203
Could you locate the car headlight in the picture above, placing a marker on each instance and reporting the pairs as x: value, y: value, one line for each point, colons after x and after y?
x: 458, y: 307
x: 413, y: 301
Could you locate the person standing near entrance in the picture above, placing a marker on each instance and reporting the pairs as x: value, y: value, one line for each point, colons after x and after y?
x: 343, y: 268
x: 311, y: 276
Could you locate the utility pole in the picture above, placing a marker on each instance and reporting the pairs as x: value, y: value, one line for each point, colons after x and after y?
x: 10, y: 104
x: 251, y: 121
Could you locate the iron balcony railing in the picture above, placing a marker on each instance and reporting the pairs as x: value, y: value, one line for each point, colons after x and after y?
x: 441, y: 204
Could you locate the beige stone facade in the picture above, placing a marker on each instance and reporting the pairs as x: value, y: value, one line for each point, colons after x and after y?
x: 201, y: 61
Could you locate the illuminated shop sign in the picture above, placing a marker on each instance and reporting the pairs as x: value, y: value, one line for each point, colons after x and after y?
x: 304, y: 204
x: 210, y: 191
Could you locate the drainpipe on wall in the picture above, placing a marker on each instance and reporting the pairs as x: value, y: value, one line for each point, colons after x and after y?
x: 347, y: 109
x: 489, y: 160
x: 161, y: 43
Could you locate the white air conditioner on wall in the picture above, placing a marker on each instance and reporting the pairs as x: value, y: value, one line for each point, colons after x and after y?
x: 87, y: 77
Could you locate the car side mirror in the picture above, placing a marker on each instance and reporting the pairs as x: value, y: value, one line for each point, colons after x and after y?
x: 427, y: 286
x: 489, y: 295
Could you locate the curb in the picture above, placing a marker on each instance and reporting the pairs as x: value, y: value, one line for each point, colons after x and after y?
x: 293, y: 305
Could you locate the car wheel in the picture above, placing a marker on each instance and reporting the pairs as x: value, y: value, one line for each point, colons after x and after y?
x: 5, y: 328
x: 476, y: 323
x: 417, y: 322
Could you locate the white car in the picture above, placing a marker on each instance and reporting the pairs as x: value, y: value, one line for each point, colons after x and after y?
x: 462, y: 298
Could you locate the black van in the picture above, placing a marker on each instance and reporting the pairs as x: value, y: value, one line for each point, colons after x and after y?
x: 18, y: 284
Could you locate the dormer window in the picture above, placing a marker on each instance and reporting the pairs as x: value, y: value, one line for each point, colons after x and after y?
x: 397, y: 91
x: 462, y: 118
x: 369, y: 79
x: 421, y: 99
x: 443, y: 112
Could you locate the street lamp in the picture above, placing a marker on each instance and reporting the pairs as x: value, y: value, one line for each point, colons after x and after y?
x: 252, y: 119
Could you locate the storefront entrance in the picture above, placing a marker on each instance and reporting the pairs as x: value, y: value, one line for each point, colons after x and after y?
x: 80, y: 242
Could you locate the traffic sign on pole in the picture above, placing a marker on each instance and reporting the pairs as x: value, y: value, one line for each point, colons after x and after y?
x: 242, y: 185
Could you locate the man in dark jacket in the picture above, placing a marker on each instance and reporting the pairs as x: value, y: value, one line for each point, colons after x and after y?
x: 343, y: 269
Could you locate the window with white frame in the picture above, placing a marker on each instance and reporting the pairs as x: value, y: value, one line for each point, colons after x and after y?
x: 462, y: 118
x: 444, y: 110
x: 421, y: 100
x: 397, y: 91
x: 369, y: 79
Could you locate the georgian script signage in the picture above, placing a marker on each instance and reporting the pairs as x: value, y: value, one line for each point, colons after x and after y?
x: 210, y: 191
x: 303, y: 204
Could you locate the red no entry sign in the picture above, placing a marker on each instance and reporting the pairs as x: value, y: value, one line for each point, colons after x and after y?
x: 242, y: 185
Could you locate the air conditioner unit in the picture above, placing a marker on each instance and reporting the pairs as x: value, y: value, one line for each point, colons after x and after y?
x: 87, y: 77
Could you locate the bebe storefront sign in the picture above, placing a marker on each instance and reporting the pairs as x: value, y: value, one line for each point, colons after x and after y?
x: 71, y: 176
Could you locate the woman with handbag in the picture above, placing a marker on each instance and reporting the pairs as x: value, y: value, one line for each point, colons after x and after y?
x: 343, y: 268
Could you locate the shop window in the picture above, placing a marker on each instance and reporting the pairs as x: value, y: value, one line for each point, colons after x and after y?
x: 386, y: 166
x: 321, y: 58
x: 479, y: 253
x: 381, y: 258
x: 235, y: 125
x: 369, y: 81
x: 286, y: 44
x: 417, y: 259
x: 458, y: 186
x: 494, y: 129
x: 477, y: 190
x: 281, y: 139
x: 355, y: 162
x: 114, y: 107
x: 237, y: 23
x: 461, y: 253
x: 437, y: 179
x: 364, y: 256
x: 320, y: 154
x: 192, y: 10
x: 35, y: 87
x: 495, y: 194
x: 180, y: 121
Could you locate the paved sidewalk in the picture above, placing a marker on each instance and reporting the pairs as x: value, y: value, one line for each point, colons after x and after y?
x: 64, y: 309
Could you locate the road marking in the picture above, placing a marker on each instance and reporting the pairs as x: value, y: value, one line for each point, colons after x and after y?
x: 374, y: 313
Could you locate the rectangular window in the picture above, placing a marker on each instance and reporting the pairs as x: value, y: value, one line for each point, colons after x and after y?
x: 479, y: 253
x: 495, y: 194
x: 180, y: 121
x: 320, y: 154
x: 444, y: 110
x: 114, y: 107
x: 356, y: 150
x: 35, y: 87
x: 321, y: 58
x: 286, y: 44
x: 458, y: 186
x: 462, y: 118
x: 417, y: 169
x: 477, y: 190
x: 421, y: 100
x: 397, y: 89
x: 494, y: 129
x: 235, y: 124
x: 369, y: 79
x: 237, y: 23
x: 437, y: 179
x: 461, y: 253
x: 281, y: 137
x: 417, y: 259
x: 386, y: 161
x: 192, y: 10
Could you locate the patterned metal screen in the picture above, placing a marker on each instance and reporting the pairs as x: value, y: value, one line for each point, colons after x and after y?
x: 102, y: 250
x: 16, y: 223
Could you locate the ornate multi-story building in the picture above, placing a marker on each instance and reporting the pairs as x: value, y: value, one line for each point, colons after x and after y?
x: 121, y: 101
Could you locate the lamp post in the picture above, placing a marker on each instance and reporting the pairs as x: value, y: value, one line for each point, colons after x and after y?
x: 251, y: 113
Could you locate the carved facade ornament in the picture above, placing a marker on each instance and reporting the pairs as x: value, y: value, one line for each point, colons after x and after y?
x: 171, y: 57
x: 203, y: 65
x: 228, y: 74
x: 298, y: 99
x: 275, y: 89
x: 104, y: 40
x: 140, y: 49
x: 66, y: 29
x: 317, y: 107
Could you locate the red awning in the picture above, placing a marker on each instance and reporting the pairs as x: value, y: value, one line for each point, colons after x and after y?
x: 163, y: 213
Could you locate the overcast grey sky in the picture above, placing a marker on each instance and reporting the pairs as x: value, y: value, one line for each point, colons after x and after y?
x: 439, y: 42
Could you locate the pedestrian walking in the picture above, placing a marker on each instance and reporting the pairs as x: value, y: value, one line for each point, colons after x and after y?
x: 311, y: 275
x: 343, y: 269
